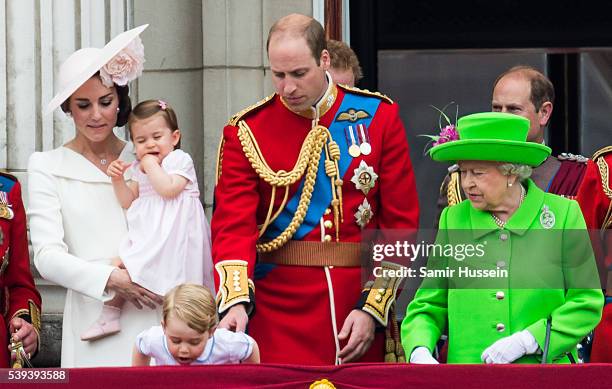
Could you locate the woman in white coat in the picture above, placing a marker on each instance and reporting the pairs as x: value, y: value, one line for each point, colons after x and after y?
x: 76, y: 223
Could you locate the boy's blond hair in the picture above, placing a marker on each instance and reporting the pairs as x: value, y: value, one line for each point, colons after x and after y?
x: 194, y: 304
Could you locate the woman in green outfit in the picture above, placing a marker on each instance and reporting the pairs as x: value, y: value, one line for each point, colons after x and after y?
x: 531, y: 284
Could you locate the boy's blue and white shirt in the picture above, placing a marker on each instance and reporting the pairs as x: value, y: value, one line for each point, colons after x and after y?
x: 223, y: 347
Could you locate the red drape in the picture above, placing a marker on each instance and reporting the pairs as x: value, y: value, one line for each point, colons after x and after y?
x: 346, y: 376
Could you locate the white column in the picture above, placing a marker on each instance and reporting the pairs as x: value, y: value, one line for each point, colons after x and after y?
x: 21, y: 82
x: 64, y: 44
x: 93, y: 19
x: 3, y: 102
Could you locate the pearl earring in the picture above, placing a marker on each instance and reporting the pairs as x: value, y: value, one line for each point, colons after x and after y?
x: 509, y: 184
x: 118, y: 109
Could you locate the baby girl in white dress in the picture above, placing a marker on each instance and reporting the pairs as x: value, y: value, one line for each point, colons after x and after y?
x: 187, y: 334
x: 168, y: 241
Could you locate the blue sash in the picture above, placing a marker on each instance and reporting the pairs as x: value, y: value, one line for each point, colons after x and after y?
x: 322, y: 195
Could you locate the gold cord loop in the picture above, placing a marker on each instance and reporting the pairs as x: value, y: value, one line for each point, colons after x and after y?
x: 308, y: 163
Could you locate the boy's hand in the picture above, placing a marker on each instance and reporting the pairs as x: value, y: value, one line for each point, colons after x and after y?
x: 116, y: 169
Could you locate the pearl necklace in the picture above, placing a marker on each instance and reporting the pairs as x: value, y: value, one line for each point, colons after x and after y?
x: 500, y: 223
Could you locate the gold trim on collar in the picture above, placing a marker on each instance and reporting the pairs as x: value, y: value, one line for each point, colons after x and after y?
x: 323, y: 106
x: 602, y: 151
x: 238, y: 116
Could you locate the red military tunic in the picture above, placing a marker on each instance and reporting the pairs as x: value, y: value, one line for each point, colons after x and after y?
x: 19, y: 296
x: 594, y: 197
x: 293, y: 316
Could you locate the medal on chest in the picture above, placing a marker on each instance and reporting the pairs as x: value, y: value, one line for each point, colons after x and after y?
x: 364, y: 214
x: 364, y: 177
x: 6, y: 209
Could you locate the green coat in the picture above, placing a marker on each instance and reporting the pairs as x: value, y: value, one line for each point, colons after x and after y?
x: 551, y: 272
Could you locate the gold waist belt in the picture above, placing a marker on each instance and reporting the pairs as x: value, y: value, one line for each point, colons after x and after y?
x: 301, y: 253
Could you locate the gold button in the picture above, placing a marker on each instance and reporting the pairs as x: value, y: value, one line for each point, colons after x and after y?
x: 500, y: 327
x: 328, y: 224
x: 382, y: 290
x: 378, y: 297
x: 327, y: 238
x: 327, y: 211
x: 500, y: 295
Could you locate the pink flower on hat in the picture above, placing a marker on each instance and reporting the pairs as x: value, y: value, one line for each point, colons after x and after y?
x: 125, y: 66
x: 447, y: 134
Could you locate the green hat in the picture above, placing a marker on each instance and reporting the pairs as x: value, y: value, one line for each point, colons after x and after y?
x: 492, y: 136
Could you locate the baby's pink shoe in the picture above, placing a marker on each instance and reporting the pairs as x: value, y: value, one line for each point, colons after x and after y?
x: 107, y: 324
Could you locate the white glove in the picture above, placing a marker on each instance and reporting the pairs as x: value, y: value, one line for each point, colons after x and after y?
x: 510, y: 348
x: 422, y: 355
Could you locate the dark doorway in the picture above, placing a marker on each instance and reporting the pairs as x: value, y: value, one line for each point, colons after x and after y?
x: 424, y: 53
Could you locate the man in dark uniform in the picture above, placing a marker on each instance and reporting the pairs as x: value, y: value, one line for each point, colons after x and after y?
x: 595, y: 199
x: 524, y: 91
x: 20, y: 301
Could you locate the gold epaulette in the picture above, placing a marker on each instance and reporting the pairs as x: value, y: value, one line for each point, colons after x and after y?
x: 236, y: 118
x: 365, y: 92
x: 453, y: 191
x: 602, y: 151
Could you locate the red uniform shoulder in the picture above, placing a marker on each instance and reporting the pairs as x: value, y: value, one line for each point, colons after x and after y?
x: 249, y: 110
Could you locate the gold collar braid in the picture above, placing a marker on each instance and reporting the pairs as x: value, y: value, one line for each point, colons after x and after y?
x: 605, y: 177
x: 308, y: 161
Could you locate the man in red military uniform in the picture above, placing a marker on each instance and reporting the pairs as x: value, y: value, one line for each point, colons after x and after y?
x: 19, y: 299
x: 300, y: 175
x: 595, y: 199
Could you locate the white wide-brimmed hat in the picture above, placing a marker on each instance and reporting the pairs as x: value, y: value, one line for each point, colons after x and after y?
x: 84, y: 63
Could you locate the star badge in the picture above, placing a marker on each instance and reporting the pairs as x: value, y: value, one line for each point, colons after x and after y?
x: 364, y: 177
x: 364, y: 214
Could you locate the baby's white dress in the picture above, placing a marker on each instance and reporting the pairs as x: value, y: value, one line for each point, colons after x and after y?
x: 168, y: 240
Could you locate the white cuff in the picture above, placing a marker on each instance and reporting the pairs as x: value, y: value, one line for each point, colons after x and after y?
x: 528, y: 341
x: 422, y: 355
